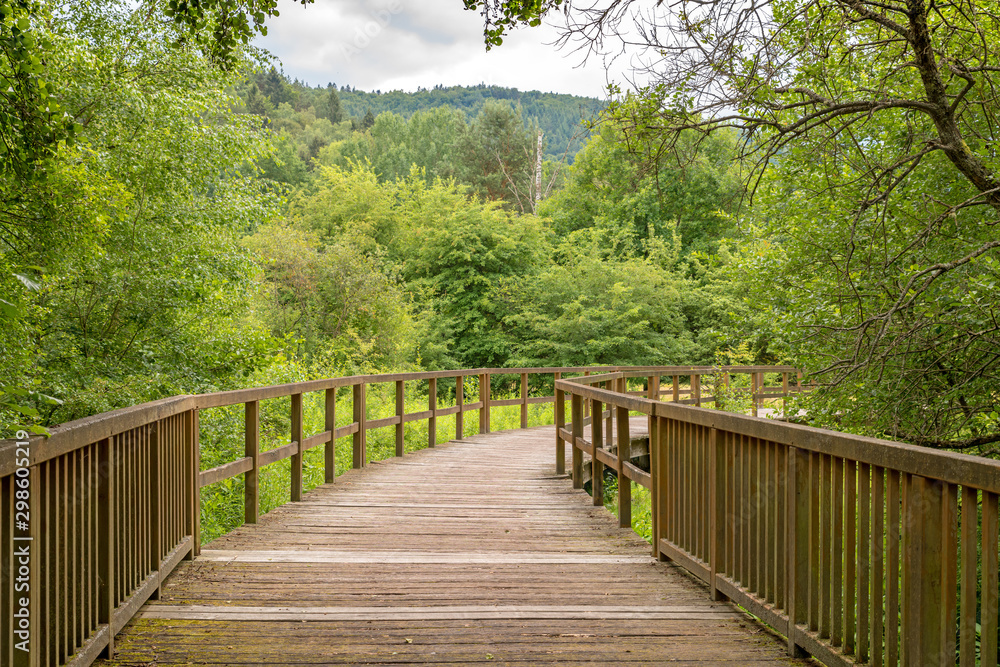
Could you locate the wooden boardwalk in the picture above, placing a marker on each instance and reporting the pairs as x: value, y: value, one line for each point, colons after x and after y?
x: 473, y: 552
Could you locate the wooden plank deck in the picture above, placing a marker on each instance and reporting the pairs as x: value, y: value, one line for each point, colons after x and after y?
x: 473, y: 552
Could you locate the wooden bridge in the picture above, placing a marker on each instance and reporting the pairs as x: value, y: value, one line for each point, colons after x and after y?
x: 848, y: 549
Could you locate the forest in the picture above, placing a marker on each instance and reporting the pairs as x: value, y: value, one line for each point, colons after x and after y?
x: 179, y: 217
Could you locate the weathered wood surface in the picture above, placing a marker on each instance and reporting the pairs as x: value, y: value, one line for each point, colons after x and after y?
x: 473, y: 552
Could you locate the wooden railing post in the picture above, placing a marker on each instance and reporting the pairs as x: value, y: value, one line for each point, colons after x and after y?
x: 560, y: 420
x: 106, y: 503
x: 329, y: 424
x: 155, y: 497
x: 400, y: 411
x: 659, y: 476
x: 753, y: 392
x: 359, y: 419
x: 576, y: 408
x: 609, y: 385
x: 923, y: 537
x: 596, y: 467
x: 484, y: 399
x: 193, y: 462
x: 784, y: 395
x: 624, y: 483
x: 717, y: 510
x: 797, y: 503
x: 432, y: 398
x: 677, y: 388
x: 297, y: 456
x: 459, y: 401
x: 524, y: 400
x: 696, y: 389
x: 251, y: 448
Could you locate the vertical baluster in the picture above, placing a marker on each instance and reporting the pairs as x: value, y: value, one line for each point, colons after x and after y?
x: 459, y: 417
x: 815, y: 578
x: 432, y: 407
x: 837, y: 553
x: 850, y: 554
x: 400, y: 412
x: 596, y: 467
x: 329, y: 424
x: 878, y: 559
x: 970, y: 580
x: 781, y: 517
x: 949, y: 572
x: 524, y: 400
x: 864, y: 561
x: 660, y: 480
x: 296, y: 467
x: 798, y: 497
x: 991, y: 570
x: 892, y: 571
x: 155, y: 512
x: 560, y: 419
x: 251, y: 448
x: 624, y: 483
x: 106, y: 504
x: 576, y: 408
x: 359, y: 419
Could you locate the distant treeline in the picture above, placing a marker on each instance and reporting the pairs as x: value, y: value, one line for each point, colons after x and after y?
x: 560, y: 117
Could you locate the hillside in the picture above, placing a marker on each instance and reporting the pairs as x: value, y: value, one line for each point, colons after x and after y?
x: 559, y: 116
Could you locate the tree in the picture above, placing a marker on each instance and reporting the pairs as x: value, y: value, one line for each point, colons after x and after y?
x: 879, y: 117
x: 496, y: 154
x: 138, y: 288
x: 368, y: 120
x: 333, y: 111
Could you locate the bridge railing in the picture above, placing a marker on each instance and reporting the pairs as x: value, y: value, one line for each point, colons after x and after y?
x: 857, y: 550
x: 95, y: 516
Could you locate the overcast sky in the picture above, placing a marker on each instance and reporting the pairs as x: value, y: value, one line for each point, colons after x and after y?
x: 405, y: 44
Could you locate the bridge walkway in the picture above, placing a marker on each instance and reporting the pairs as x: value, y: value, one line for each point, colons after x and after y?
x: 472, y: 552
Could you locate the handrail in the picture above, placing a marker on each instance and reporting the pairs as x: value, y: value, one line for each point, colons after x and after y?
x: 95, y: 516
x: 851, y: 547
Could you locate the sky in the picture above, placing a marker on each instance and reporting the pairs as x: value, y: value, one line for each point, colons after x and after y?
x: 405, y: 44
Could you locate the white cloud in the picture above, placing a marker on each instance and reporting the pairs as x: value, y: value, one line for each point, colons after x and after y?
x: 397, y: 44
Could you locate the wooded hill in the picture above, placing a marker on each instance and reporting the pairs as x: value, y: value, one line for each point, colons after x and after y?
x: 561, y: 117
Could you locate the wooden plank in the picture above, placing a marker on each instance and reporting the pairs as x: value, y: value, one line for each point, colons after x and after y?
x: 225, y: 471
x: 383, y: 422
x: 637, y: 474
x: 277, y: 454
x: 400, y: 411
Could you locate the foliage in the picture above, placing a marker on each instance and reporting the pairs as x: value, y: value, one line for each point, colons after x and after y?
x: 590, y: 310
x: 139, y: 276
x: 878, y: 183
